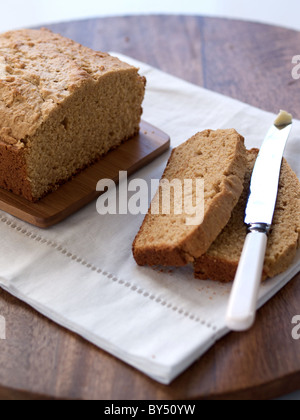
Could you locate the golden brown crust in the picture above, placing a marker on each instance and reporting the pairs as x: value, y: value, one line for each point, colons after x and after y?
x: 38, y: 71
x: 208, y: 268
x: 13, y: 176
x: 157, y: 256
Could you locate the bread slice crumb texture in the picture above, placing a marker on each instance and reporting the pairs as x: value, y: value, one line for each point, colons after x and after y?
x: 216, y: 157
x: 220, y: 262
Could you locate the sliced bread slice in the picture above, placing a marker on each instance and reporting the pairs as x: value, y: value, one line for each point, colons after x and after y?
x: 219, y: 159
x: 220, y: 262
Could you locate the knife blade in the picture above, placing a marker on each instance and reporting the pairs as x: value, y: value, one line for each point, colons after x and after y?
x: 265, y: 177
x: 258, y: 217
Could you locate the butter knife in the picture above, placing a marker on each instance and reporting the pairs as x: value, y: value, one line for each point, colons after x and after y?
x: 260, y: 208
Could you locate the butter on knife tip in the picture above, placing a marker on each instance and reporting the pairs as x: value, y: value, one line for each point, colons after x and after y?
x: 283, y: 118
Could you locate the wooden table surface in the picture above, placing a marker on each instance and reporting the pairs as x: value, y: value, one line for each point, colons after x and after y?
x: 248, y: 61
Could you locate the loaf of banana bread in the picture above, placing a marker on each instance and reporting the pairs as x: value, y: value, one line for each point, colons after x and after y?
x: 62, y: 107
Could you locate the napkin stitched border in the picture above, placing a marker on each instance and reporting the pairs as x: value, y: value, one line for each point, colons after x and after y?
x: 80, y: 260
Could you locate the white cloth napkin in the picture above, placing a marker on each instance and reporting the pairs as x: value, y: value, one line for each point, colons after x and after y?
x: 82, y: 275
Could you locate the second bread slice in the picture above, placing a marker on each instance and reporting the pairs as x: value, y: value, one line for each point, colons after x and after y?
x: 219, y: 159
x: 221, y: 261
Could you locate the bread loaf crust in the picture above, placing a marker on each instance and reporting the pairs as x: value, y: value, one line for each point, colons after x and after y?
x: 13, y: 175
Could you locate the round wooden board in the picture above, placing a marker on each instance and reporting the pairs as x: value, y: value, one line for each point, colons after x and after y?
x: 247, y: 61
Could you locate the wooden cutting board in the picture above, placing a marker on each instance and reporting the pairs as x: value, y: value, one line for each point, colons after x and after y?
x: 81, y: 190
x: 250, y: 62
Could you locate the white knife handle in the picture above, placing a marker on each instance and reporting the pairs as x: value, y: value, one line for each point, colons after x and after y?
x: 243, y: 300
